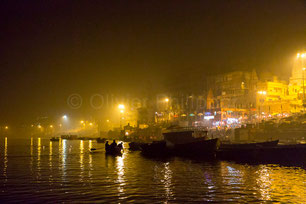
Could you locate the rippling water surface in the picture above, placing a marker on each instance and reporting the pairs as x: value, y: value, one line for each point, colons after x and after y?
x: 38, y: 170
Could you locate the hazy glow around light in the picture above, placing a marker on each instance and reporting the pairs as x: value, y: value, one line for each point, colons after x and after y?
x: 298, y: 55
x: 166, y: 99
x: 65, y: 117
x: 121, y: 106
x: 6, y: 127
x: 121, y: 111
x: 303, y: 55
x: 262, y: 92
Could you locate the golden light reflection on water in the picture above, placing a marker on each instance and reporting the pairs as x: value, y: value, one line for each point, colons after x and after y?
x: 82, y: 160
x: 90, y: 158
x: 38, y: 159
x: 89, y: 144
x: 38, y: 148
x: 31, y: 147
x: 120, y: 174
x: 168, y: 180
x: 5, y: 160
x: 276, y: 182
x: 264, y: 182
x: 62, y: 153
x: 50, y: 153
x: 81, y: 155
x: 269, y: 183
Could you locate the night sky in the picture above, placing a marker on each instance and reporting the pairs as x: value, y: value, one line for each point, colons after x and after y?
x: 51, y: 49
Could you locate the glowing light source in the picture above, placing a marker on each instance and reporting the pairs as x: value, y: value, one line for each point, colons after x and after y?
x: 303, y: 55
x: 121, y: 111
x: 107, y: 121
x: 39, y: 126
x: 6, y: 127
x: 90, y: 124
x: 298, y: 55
x: 65, y: 117
x: 262, y: 92
x: 82, y: 121
x: 166, y: 99
x: 51, y: 126
x: 121, y: 106
x: 304, y: 68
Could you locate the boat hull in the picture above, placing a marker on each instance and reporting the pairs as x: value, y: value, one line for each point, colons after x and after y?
x: 203, y: 148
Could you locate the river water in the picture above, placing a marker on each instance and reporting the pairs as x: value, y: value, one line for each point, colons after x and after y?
x: 37, y: 170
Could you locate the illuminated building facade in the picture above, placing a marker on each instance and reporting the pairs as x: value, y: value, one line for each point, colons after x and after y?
x: 234, y: 95
x: 272, y: 97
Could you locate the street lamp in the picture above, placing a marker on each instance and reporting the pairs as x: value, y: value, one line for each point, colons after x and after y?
x: 121, y: 107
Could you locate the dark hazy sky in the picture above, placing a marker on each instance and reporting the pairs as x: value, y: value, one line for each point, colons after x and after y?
x: 50, y: 49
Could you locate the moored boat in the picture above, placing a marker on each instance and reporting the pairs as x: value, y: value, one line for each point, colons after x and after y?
x: 182, y: 142
x: 54, y: 139
x: 135, y: 146
x: 249, y: 145
x: 100, y: 140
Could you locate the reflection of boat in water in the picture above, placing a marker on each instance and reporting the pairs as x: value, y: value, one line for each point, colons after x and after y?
x: 250, y: 145
x: 101, y: 140
x: 54, y: 139
x: 182, y: 142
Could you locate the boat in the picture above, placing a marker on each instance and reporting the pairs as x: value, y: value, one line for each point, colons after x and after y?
x: 135, y: 146
x: 249, y: 145
x: 100, y: 140
x: 54, y: 139
x: 69, y: 137
x: 182, y: 142
x: 117, y: 151
x: 287, y: 154
x: 191, y: 142
x: 155, y: 149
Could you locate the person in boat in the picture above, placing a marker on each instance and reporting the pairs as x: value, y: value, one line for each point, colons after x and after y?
x: 113, y: 145
x: 107, y: 146
x: 120, y: 146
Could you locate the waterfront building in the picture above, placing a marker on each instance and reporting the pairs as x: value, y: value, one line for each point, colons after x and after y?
x: 272, y: 97
x: 234, y: 95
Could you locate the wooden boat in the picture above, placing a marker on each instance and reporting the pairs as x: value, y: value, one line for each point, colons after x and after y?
x: 282, y: 154
x: 54, y: 139
x: 100, y: 140
x: 183, y: 143
x: 155, y: 149
x: 114, y: 151
x: 135, y: 146
x: 250, y: 145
